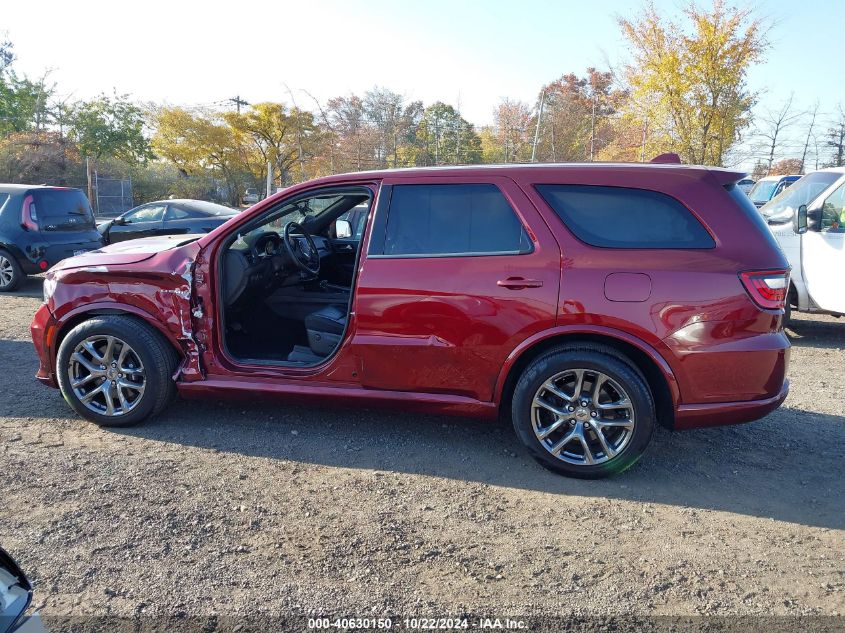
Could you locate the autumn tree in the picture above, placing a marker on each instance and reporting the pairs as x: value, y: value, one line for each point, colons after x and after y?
x: 577, y: 116
x: 200, y: 145
x: 693, y: 77
x: 444, y: 137
x: 785, y: 166
x: 513, y: 130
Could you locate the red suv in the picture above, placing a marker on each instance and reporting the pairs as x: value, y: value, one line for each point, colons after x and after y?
x: 587, y: 302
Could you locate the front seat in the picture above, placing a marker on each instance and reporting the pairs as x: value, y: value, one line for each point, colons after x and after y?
x: 325, y: 328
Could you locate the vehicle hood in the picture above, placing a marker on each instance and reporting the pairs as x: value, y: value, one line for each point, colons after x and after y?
x: 129, y: 252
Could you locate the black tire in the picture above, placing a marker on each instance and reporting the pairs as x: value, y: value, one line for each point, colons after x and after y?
x: 589, y: 357
x: 157, y: 356
x: 18, y: 275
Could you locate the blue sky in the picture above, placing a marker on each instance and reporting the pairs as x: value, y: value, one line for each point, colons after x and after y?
x: 470, y: 53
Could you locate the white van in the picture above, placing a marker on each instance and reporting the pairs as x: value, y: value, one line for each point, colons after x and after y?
x: 808, y: 221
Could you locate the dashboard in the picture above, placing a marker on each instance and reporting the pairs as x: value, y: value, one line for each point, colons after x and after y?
x: 260, y: 261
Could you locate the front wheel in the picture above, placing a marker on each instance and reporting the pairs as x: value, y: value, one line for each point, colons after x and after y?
x: 583, y: 411
x: 116, y: 370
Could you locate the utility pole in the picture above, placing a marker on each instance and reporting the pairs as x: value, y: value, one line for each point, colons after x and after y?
x: 238, y: 102
x: 593, y: 128
x: 537, y: 129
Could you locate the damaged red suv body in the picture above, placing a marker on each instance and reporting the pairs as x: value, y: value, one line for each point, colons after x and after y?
x: 589, y: 302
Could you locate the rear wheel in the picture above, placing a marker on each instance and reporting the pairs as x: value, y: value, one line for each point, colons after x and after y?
x: 11, y: 274
x: 116, y: 370
x: 584, y: 411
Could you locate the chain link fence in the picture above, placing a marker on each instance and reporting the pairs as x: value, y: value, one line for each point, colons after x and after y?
x: 113, y: 196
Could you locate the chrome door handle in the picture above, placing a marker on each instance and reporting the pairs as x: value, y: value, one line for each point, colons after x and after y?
x: 518, y: 283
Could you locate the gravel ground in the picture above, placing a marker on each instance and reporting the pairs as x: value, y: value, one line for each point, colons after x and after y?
x: 225, y: 509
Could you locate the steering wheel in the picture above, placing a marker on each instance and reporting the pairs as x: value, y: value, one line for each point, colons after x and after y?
x: 304, y: 253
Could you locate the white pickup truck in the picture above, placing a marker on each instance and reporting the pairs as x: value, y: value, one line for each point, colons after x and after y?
x: 808, y: 221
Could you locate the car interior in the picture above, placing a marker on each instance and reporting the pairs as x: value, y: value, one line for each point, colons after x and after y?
x: 287, y: 278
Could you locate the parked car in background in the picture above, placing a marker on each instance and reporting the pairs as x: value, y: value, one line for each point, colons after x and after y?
x: 473, y: 291
x: 251, y: 196
x: 767, y: 188
x: 165, y: 217
x: 40, y: 226
x: 745, y: 185
x: 808, y: 221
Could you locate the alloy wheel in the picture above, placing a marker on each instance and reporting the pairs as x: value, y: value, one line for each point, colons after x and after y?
x: 582, y: 417
x: 107, y: 375
x: 7, y: 273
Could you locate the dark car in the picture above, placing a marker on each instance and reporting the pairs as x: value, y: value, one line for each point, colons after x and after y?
x: 40, y: 226
x: 166, y: 217
x: 588, y: 302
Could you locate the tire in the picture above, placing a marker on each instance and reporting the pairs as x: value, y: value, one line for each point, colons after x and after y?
x: 11, y: 273
x: 143, y: 377
x: 626, y: 429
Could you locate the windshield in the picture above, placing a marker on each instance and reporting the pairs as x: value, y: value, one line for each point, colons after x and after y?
x: 762, y: 191
x: 804, y: 191
x: 63, y: 210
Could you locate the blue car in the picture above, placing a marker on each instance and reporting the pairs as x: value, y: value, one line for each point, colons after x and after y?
x: 767, y: 188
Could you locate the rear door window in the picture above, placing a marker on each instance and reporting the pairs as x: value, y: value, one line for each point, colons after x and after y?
x: 618, y: 217
x: 63, y: 210
x: 443, y: 220
x: 181, y: 213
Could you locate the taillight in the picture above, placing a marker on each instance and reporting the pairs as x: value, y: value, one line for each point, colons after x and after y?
x: 768, y: 288
x: 29, y: 218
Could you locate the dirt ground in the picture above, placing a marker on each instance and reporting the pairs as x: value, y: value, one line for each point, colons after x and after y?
x: 228, y: 509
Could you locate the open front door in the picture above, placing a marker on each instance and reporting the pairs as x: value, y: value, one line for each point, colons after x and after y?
x: 823, y: 255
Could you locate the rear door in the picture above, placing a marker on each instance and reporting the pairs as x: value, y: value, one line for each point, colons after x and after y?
x: 823, y: 254
x: 458, y: 273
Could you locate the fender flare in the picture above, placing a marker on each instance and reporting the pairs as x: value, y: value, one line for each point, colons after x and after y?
x: 599, y: 330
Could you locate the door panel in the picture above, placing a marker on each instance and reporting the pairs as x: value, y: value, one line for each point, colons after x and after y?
x: 823, y: 260
x: 823, y: 255
x: 446, y: 324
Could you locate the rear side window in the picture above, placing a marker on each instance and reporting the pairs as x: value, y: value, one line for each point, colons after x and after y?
x: 440, y: 220
x: 617, y: 217
x: 62, y: 210
x: 179, y: 213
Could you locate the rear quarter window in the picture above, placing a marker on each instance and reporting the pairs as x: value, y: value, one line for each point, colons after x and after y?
x: 619, y: 217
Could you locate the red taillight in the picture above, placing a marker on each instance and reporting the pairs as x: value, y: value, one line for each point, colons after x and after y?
x: 768, y: 288
x: 29, y: 218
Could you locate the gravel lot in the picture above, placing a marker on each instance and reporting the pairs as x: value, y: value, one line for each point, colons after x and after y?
x: 225, y: 509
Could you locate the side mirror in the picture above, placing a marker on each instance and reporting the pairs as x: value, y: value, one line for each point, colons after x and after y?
x: 15, y: 593
x: 799, y: 220
x: 120, y: 221
x: 342, y: 229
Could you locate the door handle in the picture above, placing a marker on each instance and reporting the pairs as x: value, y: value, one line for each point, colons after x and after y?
x: 519, y: 283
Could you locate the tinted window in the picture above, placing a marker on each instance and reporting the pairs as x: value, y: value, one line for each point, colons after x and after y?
x: 180, y: 213
x: 62, y: 210
x: 452, y: 220
x: 615, y: 217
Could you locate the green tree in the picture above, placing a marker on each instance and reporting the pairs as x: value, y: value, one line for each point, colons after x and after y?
x: 111, y: 127
x: 691, y: 82
x: 444, y: 137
